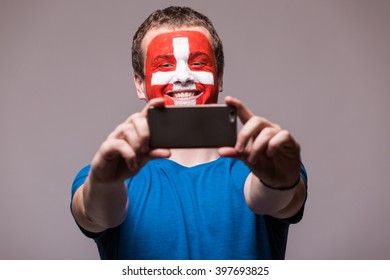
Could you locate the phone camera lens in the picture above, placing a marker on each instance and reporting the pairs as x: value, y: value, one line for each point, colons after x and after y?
x: 232, y: 116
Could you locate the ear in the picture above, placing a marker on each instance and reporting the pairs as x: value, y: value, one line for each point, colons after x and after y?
x: 220, y: 84
x: 140, y: 87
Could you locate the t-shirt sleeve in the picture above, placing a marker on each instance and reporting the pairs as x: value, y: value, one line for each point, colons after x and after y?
x: 77, y: 182
x: 298, y: 216
x: 80, y: 179
x: 241, y: 171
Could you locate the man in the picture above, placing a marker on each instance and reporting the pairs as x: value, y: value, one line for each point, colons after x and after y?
x: 227, y: 203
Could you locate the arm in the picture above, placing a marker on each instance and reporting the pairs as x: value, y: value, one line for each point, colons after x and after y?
x: 97, y: 207
x: 278, y: 204
x: 273, y: 156
x: 102, y: 201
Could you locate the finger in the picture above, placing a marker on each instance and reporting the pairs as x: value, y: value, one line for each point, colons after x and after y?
x: 232, y: 153
x: 118, y: 131
x: 243, y: 112
x: 228, y: 152
x: 155, y: 153
x: 155, y: 102
x: 131, y: 136
x: 260, y: 144
x: 285, y: 142
x: 112, y: 150
x: 160, y: 153
x: 141, y: 127
x: 251, y: 129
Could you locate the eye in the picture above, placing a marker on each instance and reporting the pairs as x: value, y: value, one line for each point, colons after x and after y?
x: 197, y: 64
x: 166, y: 65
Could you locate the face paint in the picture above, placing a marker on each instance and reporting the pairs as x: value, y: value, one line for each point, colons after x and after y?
x: 180, y: 67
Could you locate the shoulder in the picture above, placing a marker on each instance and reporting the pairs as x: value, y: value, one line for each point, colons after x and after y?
x: 80, y: 178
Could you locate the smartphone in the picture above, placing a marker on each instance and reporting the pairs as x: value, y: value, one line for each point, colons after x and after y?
x: 200, y: 126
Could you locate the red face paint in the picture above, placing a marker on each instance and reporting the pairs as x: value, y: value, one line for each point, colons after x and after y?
x: 180, y: 67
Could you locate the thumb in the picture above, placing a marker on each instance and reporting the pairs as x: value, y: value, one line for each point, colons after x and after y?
x: 242, y: 111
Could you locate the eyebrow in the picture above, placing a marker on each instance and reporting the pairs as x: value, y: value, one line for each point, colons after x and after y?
x: 191, y: 56
x: 164, y: 56
x: 197, y: 54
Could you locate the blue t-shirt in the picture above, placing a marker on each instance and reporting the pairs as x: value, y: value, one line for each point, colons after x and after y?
x: 178, y: 212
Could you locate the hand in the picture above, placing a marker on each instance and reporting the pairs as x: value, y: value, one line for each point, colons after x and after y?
x: 126, y: 149
x: 270, y: 152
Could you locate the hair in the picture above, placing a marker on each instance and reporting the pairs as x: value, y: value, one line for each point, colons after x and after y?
x: 174, y: 17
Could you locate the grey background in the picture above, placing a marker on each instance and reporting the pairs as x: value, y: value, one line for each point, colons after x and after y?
x: 319, y: 68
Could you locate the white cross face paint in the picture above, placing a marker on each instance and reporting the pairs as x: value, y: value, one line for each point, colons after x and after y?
x: 182, y: 74
x: 180, y: 67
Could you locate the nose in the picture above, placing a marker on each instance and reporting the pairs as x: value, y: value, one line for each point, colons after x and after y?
x: 183, y: 73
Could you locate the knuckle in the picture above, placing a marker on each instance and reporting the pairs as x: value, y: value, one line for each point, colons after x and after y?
x: 286, y: 134
x: 105, y: 146
x: 257, y: 119
x: 244, y: 134
x: 109, y: 146
x: 134, y: 117
x: 127, y: 128
x: 268, y: 131
x: 277, y: 127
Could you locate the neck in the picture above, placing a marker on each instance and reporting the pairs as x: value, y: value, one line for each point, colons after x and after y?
x: 192, y: 157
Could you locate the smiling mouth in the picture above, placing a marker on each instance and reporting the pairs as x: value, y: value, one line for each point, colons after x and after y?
x: 183, y: 94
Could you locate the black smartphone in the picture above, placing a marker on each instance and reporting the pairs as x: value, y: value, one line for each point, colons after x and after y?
x: 200, y: 126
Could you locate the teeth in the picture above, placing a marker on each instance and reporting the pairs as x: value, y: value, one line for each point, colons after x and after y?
x: 183, y: 94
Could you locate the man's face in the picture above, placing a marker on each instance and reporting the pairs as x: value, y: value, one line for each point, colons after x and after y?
x: 180, y: 67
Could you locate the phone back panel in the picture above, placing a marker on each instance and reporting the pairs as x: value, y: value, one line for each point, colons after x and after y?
x: 202, y: 126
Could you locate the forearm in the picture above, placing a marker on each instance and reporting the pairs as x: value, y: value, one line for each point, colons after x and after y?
x: 97, y: 207
x: 277, y: 203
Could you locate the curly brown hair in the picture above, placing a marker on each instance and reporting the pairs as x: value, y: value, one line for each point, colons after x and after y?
x: 175, y: 16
